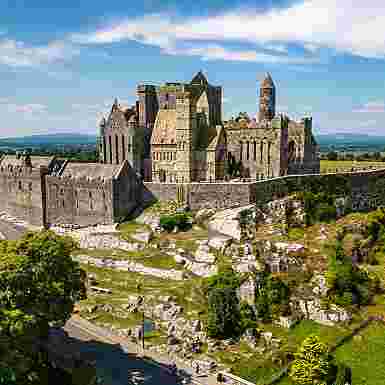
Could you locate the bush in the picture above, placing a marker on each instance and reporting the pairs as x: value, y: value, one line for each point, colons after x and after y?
x: 168, y: 223
x: 180, y: 221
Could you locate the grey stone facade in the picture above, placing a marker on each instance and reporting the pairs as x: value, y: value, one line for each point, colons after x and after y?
x: 273, y: 145
x: 44, y: 191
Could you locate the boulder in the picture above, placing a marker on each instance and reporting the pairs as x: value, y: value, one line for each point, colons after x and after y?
x: 143, y: 236
x: 219, y: 242
x: 204, y: 214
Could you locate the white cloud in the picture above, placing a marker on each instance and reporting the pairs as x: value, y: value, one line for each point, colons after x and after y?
x: 30, y: 109
x: 18, y: 54
x: 217, y: 52
x: 374, y: 106
x: 347, y: 26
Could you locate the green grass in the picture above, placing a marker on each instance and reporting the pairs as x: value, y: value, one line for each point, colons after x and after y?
x: 347, y: 165
x: 188, y: 293
x: 365, y: 355
x: 149, y: 257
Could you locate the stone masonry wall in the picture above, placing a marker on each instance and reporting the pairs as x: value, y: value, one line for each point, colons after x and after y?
x: 366, y: 189
x: 23, y: 193
x: 78, y: 201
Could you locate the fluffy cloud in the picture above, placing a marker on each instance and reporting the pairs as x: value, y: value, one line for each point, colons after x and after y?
x: 18, y: 54
x: 27, y: 109
x: 346, y: 26
x: 374, y: 106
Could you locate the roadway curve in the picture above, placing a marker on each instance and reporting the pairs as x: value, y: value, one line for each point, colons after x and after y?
x: 113, y: 364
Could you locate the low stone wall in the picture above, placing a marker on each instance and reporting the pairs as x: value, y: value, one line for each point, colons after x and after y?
x: 365, y: 188
x: 172, y: 274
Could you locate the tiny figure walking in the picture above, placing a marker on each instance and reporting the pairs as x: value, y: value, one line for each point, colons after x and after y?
x: 197, y: 368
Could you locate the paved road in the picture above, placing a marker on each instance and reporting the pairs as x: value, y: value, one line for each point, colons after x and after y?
x: 11, y: 231
x: 114, y: 365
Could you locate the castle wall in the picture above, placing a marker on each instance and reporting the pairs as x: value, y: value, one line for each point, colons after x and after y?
x: 79, y: 201
x: 127, y: 190
x: 23, y: 194
x: 365, y: 189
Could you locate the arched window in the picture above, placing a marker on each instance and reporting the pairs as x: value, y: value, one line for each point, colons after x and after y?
x: 90, y: 200
x: 255, y: 150
x: 116, y: 149
x: 110, y: 147
x: 241, y: 151
x: 247, y: 150
x: 20, y: 186
x: 123, y: 148
x: 261, y: 152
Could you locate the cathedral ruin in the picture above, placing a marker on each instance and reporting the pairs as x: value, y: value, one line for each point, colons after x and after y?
x: 175, y: 134
x: 171, y: 145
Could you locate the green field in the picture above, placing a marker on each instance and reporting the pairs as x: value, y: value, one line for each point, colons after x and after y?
x: 365, y: 354
x: 347, y: 165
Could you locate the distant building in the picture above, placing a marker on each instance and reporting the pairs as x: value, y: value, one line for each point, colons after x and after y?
x: 47, y: 190
x: 173, y: 135
x: 273, y: 145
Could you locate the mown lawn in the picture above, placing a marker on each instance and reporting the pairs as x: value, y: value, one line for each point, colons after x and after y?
x: 365, y: 355
x: 347, y: 165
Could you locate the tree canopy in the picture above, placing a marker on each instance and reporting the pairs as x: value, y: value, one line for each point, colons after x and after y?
x: 311, y: 366
x: 39, y: 285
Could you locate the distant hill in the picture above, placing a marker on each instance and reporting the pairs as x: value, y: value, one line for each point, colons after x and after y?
x: 351, y: 142
x: 50, y: 140
x: 327, y: 142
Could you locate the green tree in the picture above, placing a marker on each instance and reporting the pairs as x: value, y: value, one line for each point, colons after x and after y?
x: 332, y: 155
x: 39, y: 285
x: 223, y: 305
x: 311, y: 365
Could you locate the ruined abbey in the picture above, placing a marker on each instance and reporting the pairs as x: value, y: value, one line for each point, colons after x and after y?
x: 172, y: 144
x: 175, y: 133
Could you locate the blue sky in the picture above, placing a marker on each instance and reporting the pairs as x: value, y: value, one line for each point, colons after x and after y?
x: 62, y: 63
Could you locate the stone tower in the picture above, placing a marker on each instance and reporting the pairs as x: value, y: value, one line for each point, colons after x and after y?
x: 147, y: 106
x: 267, y: 99
x: 185, y: 119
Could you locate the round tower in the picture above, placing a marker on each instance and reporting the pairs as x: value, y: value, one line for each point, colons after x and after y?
x: 267, y: 99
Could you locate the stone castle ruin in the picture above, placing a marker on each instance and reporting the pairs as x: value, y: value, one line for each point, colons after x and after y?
x: 171, y: 145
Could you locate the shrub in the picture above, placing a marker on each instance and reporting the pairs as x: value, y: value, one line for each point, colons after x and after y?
x: 180, y: 221
x: 168, y: 223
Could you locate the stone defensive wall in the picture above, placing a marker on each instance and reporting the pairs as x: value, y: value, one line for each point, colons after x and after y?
x: 366, y: 189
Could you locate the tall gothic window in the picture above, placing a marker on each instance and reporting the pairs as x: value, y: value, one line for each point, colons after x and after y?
x: 261, y: 152
x: 110, y: 147
x: 241, y: 151
x: 255, y: 150
x: 116, y: 149
x: 104, y: 150
x: 247, y: 150
x: 123, y: 148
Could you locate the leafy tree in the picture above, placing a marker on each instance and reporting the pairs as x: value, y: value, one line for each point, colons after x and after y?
x: 272, y: 297
x: 347, y: 283
x: 311, y: 365
x: 39, y: 285
x: 248, y: 319
x: 223, y: 305
x: 332, y: 155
